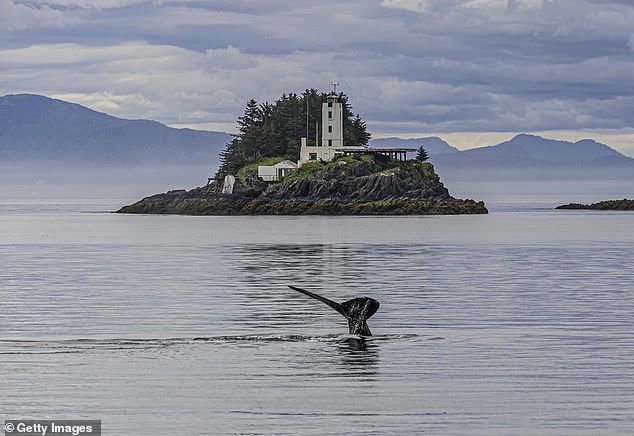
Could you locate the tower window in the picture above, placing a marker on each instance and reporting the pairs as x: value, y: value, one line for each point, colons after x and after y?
x: 329, y: 129
x: 312, y: 156
x: 330, y: 115
x: 329, y: 104
x: 330, y: 143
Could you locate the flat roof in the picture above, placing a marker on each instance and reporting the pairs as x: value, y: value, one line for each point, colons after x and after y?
x: 378, y: 150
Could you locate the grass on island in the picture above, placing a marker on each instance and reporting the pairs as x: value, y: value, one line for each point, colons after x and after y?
x: 314, y: 170
x: 252, y: 169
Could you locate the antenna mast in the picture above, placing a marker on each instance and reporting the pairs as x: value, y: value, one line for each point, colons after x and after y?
x: 307, y: 116
x: 334, y: 87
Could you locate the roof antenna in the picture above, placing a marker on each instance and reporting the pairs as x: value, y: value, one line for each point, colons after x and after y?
x: 334, y: 87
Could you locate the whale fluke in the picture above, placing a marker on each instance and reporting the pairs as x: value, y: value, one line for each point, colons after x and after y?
x: 356, y: 311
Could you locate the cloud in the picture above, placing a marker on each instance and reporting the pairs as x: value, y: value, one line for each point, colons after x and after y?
x: 407, y: 5
x: 409, y: 66
x: 16, y: 16
x: 91, y: 4
x: 107, y: 102
x: 227, y: 59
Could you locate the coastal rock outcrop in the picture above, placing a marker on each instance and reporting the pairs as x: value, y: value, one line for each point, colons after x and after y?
x: 371, y: 185
x: 350, y: 182
x: 624, y: 204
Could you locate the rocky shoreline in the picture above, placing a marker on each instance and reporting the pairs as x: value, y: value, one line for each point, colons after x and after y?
x: 624, y: 204
x: 348, y: 186
x: 290, y: 207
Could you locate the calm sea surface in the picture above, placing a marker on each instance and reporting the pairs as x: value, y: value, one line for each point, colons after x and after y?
x: 519, y: 322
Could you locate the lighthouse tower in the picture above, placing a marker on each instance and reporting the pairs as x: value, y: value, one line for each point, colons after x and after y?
x: 331, y: 144
x: 331, y: 123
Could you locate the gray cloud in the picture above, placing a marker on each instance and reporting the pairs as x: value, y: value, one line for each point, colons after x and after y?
x: 409, y: 66
x: 17, y: 16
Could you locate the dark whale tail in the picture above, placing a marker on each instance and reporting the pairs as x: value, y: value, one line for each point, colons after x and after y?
x: 356, y: 311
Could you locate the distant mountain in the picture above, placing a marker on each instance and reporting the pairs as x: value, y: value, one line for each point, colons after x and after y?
x: 433, y: 145
x: 561, y: 151
x: 35, y: 129
x: 528, y: 151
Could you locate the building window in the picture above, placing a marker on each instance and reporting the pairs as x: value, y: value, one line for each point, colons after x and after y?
x: 330, y: 115
x: 312, y: 156
x: 329, y: 104
x: 329, y: 129
x: 330, y: 143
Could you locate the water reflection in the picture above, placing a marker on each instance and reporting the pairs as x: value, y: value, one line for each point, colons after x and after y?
x: 359, y: 357
x: 277, y: 261
x: 347, y: 264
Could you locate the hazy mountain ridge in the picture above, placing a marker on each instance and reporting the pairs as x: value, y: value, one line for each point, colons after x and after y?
x: 552, y: 150
x: 529, y: 150
x: 432, y: 144
x: 34, y: 128
x: 524, y: 157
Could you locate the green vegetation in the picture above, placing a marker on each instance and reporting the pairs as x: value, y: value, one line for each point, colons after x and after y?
x: 306, y: 171
x: 268, y: 130
x: 317, y: 170
x: 251, y: 170
x: 421, y: 154
x: 354, y: 166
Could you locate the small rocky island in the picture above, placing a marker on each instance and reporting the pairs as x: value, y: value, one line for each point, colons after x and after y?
x: 624, y: 204
x: 269, y: 170
x: 357, y: 185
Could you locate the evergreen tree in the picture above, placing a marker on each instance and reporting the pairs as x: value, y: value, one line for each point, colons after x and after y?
x: 356, y: 133
x: 231, y: 159
x: 251, y: 117
x: 421, y: 154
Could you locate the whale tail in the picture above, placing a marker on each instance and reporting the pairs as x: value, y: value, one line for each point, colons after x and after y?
x: 356, y: 311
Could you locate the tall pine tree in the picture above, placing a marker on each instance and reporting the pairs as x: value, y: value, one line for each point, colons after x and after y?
x: 421, y: 154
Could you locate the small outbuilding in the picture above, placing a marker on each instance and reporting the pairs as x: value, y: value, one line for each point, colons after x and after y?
x: 275, y: 173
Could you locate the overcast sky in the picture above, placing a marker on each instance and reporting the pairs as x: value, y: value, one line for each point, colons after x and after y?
x: 471, y: 71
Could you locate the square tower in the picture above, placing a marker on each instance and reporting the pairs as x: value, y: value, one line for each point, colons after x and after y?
x: 332, y: 122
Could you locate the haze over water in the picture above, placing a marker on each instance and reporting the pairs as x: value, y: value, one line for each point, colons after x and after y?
x: 510, y: 323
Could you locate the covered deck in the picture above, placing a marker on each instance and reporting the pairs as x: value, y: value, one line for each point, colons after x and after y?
x: 393, y: 153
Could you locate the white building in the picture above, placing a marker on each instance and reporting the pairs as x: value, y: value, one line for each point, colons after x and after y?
x: 331, y: 144
x: 275, y: 173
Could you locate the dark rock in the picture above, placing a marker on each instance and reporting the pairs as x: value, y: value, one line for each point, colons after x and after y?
x: 411, y: 181
x: 295, y: 207
x: 624, y: 204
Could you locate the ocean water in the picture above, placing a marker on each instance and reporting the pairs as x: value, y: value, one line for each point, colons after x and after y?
x: 517, y: 322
